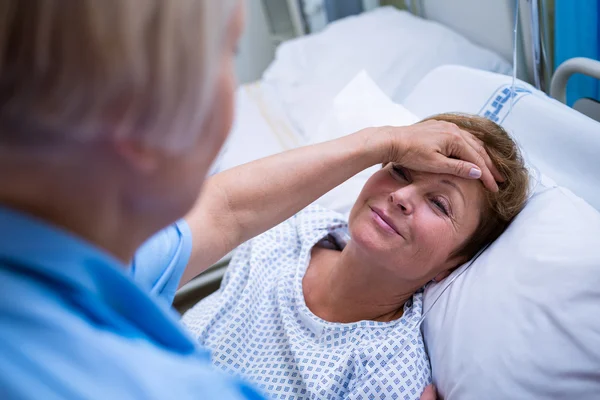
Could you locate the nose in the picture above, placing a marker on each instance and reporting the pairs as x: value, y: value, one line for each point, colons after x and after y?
x: 403, y: 199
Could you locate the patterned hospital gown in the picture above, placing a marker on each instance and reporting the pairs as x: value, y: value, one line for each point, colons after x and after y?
x: 258, y: 325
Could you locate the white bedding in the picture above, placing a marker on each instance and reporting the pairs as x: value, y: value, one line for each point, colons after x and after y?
x: 395, y: 48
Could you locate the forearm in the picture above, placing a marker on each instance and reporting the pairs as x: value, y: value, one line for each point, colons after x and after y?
x: 245, y: 201
x: 263, y: 193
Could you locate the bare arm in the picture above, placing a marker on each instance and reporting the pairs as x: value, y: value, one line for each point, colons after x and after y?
x: 242, y: 202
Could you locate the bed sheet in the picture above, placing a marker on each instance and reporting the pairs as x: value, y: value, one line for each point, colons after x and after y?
x: 395, y: 48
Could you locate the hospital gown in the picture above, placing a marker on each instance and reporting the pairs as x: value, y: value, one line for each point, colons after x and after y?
x: 258, y: 325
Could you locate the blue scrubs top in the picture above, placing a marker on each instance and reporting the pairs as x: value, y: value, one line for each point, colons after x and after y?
x: 75, y: 325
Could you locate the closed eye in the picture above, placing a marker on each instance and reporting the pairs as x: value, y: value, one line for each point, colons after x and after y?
x: 399, y: 172
x: 441, y: 204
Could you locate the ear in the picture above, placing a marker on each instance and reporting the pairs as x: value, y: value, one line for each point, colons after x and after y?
x: 442, y: 275
x: 142, y: 159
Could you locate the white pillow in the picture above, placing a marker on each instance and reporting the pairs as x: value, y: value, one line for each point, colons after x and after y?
x: 396, y: 49
x: 347, y: 115
x: 521, y: 322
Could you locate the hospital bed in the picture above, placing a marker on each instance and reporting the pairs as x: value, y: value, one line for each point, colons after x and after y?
x: 521, y: 323
x: 395, y: 48
x: 558, y: 88
x: 284, y: 108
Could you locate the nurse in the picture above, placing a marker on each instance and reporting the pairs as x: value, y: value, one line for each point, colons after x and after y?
x: 111, y: 113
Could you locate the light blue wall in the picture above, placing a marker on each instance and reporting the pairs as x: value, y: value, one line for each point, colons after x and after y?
x: 337, y: 9
x: 577, y: 34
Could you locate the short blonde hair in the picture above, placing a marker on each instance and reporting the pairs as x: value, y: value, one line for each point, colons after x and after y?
x: 80, y: 70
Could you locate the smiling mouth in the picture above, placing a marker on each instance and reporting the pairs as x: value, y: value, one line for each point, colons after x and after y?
x: 383, y: 221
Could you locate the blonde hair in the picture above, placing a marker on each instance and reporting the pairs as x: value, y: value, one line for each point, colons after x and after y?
x: 98, y: 69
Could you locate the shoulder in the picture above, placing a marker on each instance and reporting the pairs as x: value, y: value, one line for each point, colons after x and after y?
x: 276, y: 250
x: 288, y: 236
x: 59, y: 344
x: 159, y: 263
x: 69, y: 358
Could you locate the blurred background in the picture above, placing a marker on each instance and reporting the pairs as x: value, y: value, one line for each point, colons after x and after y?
x: 571, y: 28
x: 271, y: 22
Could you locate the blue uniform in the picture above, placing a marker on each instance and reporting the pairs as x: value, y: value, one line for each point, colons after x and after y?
x: 75, y: 325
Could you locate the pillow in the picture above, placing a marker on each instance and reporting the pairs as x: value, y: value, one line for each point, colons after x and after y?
x: 347, y: 115
x: 521, y: 322
x: 396, y: 49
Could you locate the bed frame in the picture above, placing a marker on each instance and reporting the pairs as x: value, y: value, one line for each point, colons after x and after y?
x: 558, y: 86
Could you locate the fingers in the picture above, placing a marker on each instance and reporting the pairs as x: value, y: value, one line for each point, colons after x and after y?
x: 466, y: 147
x: 442, y: 147
x: 463, y: 150
x: 429, y: 393
x: 478, y: 146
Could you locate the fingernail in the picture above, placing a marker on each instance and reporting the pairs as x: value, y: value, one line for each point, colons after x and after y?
x: 475, y: 173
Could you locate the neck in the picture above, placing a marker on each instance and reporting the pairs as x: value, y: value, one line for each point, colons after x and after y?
x: 348, y: 287
x: 83, y: 200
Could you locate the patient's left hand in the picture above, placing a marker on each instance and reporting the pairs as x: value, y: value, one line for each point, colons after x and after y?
x: 437, y: 147
x: 429, y: 393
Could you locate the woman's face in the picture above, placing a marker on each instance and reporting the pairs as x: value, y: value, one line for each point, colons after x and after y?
x: 410, y: 223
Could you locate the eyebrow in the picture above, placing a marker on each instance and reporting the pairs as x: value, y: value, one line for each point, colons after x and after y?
x: 455, y: 186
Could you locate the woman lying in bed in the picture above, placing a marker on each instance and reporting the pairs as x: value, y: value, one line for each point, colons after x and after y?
x: 324, y: 307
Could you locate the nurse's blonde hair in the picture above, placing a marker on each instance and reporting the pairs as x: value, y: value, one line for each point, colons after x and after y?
x: 82, y: 70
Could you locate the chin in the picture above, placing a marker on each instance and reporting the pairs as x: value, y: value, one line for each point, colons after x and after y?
x: 368, y: 239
